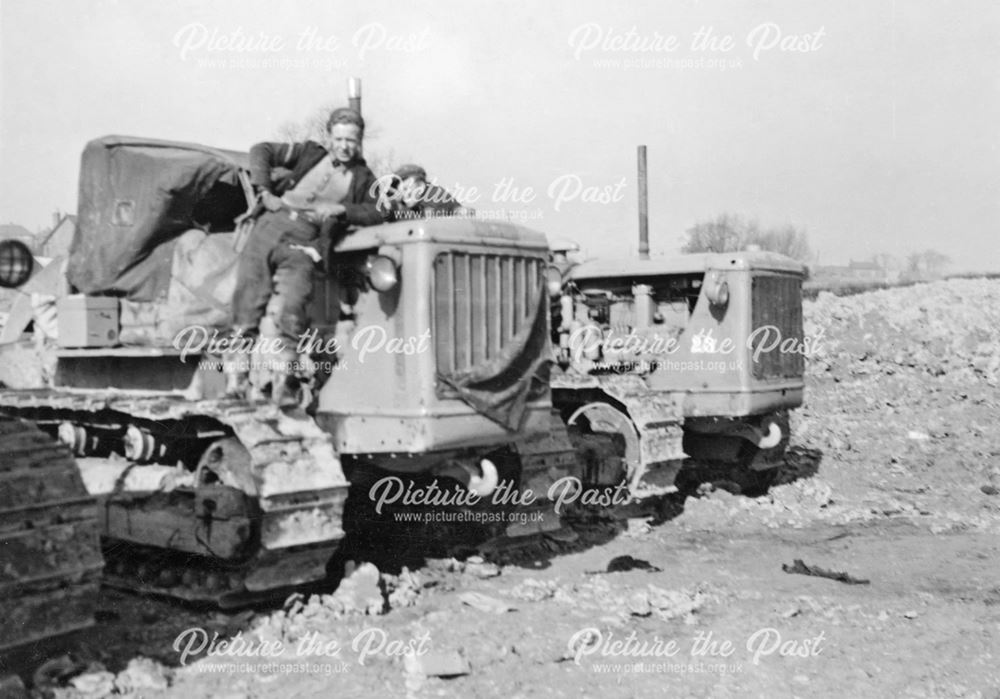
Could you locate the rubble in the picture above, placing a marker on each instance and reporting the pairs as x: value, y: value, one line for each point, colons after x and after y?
x: 673, y: 604
x: 792, y: 504
x: 638, y: 604
x: 532, y: 590
x: 94, y: 684
x: 485, y: 603
x: 142, y: 675
x: 360, y: 591
x: 942, y: 328
x: 615, y: 602
x: 637, y: 527
x: 445, y: 565
x: 480, y: 568
x: 402, y: 589
x: 437, y: 664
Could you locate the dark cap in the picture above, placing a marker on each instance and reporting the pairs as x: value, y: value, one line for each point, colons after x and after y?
x: 345, y: 115
x: 405, y: 171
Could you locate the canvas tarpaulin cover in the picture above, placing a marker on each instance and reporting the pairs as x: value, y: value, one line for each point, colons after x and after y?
x: 499, y: 388
x: 136, y: 197
x: 202, y: 281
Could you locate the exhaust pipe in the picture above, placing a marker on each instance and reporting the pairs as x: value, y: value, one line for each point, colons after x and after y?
x: 354, y: 102
x: 643, y: 206
x: 354, y: 94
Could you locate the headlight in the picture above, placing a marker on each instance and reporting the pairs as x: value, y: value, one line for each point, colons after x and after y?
x: 717, y: 290
x: 382, y: 272
x: 553, y: 281
x: 16, y: 263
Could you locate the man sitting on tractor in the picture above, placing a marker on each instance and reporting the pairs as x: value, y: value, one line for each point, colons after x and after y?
x: 308, y: 194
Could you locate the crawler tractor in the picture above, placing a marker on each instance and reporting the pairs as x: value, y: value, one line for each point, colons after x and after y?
x: 686, y: 360
x: 695, y: 356
x: 431, y: 337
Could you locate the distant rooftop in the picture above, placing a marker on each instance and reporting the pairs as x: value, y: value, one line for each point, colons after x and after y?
x: 13, y: 230
x: 43, y: 238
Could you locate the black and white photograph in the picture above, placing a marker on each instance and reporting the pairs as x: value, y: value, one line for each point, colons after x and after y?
x: 501, y: 349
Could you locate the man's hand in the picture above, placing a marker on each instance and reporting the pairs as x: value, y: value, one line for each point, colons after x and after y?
x: 326, y: 211
x: 271, y: 202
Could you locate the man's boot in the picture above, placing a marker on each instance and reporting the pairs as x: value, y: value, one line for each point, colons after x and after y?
x: 237, y: 385
x: 236, y: 367
x: 237, y: 379
x: 284, y: 388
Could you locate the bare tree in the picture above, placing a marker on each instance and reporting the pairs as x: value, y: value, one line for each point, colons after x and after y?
x: 787, y: 240
x: 936, y: 262
x: 724, y: 233
x: 728, y: 233
x: 929, y: 263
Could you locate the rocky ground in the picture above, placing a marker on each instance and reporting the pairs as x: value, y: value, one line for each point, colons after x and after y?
x: 892, y: 481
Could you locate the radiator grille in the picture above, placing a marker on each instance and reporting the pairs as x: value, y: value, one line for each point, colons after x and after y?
x: 481, y: 301
x: 777, y: 302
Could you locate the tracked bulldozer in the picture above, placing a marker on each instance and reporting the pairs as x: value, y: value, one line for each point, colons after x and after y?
x: 430, y: 338
x: 693, y: 359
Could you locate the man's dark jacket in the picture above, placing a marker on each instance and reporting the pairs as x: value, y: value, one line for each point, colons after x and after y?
x: 300, y: 158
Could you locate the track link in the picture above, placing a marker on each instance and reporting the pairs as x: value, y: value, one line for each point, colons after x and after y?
x: 50, y: 557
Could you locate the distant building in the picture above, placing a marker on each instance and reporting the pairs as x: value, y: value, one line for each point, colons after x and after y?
x: 866, y: 271
x: 855, y: 272
x: 55, y: 243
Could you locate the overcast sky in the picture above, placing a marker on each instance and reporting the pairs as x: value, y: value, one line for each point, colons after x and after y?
x: 873, y: 125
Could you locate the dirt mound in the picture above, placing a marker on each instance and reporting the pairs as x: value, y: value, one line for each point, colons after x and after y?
x: 948, y: 327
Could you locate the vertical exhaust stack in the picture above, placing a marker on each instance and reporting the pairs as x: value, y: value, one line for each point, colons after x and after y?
x: 354, y: 101
x: 643, y: 206
x: 354, y: 94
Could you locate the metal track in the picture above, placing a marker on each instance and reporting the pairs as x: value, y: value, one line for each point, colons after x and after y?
x: 260, y: 513
x: 50, y: 557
